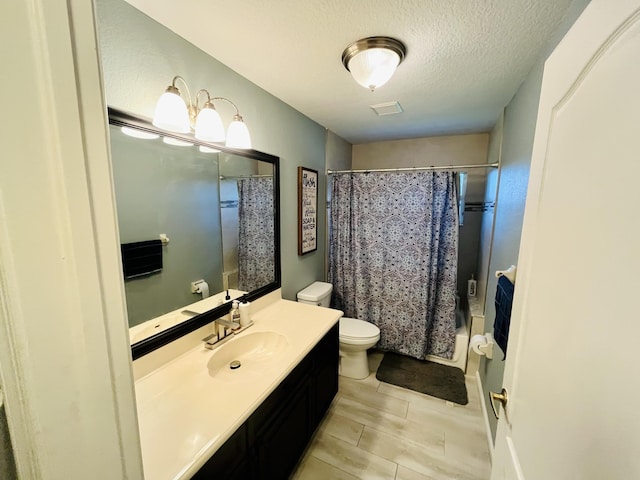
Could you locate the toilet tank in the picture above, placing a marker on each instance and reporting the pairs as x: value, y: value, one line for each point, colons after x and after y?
x: 318, y: 293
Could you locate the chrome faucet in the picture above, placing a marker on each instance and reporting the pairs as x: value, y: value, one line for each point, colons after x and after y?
x: 221, y: 334
x: 213, y: 341
x: 227, y: 323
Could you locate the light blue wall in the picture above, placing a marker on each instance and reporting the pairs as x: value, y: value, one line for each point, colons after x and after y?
x: 517, y: 145
x: 139, y: 59
x: 339, y: 152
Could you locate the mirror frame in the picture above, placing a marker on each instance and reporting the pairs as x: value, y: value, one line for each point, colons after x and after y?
x: 124, y: 119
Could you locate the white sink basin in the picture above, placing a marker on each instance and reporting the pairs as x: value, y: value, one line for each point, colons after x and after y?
x: 254, y: 351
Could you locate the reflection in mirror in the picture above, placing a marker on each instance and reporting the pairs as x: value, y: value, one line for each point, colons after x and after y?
x: 246, y: 188
x: 217, y: 212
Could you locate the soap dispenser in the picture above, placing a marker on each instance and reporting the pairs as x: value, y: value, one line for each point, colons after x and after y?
x: 235, y: 313
x: 471, y: 287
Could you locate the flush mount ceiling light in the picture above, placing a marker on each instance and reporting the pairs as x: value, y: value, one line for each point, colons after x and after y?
x: 373, y: 60
x: 172, y: 113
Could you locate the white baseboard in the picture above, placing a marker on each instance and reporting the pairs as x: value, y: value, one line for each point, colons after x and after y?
x: 485, y: 413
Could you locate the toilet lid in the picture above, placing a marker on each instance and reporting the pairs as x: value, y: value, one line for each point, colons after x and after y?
x: 353, y: 328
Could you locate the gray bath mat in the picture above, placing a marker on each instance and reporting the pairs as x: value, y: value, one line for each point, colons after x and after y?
x: 423, y: 376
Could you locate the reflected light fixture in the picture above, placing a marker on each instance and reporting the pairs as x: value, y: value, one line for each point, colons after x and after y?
x: 204, y: 149
x: 373, y: 60
x: 134, y: 132
x: 172, y: 113
x: 176, y: 142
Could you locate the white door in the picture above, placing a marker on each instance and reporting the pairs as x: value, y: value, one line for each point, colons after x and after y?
x: 572, y: 377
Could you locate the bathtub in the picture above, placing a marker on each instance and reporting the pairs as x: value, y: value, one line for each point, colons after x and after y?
x: 459, y: 358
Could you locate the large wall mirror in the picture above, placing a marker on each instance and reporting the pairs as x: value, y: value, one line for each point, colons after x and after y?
x: 199, y: 227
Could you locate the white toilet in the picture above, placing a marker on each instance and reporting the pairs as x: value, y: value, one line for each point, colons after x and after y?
x: 356, y: 336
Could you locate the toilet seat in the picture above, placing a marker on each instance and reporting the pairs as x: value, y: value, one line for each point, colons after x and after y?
x: 354, y: 331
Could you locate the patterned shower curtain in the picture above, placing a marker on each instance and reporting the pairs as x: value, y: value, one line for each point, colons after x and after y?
x: 393, y: 257
x: 255, y: 240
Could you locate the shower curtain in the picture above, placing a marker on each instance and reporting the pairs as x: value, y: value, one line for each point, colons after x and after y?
x: 255, y: 240
x: 393, y: 257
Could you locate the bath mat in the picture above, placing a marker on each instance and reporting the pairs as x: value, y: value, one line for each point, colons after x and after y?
x: 422, y: 376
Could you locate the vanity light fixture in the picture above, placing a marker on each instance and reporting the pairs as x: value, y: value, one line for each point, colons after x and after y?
x: 172, y: 113
x: 372, y: 61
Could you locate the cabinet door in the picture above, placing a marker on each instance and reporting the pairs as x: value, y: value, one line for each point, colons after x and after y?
x: 230, y: 459
x: 325, y: 386
x: 286, y: 438
x: 241, y: 472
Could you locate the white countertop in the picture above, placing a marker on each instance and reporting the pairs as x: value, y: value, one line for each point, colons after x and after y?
x: 185, y: 414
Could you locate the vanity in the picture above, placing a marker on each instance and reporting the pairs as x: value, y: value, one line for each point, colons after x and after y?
x: 199, y: 225
x: 198, y: 420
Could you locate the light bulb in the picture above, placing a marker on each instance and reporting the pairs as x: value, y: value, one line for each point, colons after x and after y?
x: 238, y: 134
x: 209, y: 125
x: 171, y: 112
x: 374, y: 67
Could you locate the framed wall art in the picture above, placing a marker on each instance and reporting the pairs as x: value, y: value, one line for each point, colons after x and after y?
x: 307, y: 210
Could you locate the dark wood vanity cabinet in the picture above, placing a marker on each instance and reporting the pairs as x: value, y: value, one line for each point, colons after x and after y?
x: 269, y: 444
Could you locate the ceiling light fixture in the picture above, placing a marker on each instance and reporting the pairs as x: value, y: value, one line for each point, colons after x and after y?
x: 373, y: 60
x: 172, y: 113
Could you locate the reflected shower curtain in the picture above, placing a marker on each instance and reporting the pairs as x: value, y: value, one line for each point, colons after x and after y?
x: 393, y: 257
x: 256, y: 255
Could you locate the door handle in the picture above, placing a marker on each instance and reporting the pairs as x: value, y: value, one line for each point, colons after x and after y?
x: 501, y: 397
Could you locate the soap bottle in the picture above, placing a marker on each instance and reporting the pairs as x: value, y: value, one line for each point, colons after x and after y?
x: 471, y: 287
x: 235, y: 312
x: 245, y: 313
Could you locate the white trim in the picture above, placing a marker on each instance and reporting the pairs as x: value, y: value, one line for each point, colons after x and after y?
x: 20, y: 421
x: 101, y: 193
x: 64, y: 351
x: 513, y: 454
x: 485, y: 416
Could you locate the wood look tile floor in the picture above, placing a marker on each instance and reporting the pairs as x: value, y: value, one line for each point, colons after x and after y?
x: 375, y: 430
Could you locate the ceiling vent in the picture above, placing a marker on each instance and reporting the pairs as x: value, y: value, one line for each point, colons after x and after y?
x: 389, y: 108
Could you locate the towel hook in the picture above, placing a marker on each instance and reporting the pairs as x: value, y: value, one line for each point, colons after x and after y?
x: 510, y: 273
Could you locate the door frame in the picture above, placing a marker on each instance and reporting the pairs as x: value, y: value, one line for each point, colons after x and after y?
x: 65, y: 359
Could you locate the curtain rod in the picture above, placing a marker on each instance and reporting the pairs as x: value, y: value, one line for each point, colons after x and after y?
x: 413, y: 169
x: 222, y: 177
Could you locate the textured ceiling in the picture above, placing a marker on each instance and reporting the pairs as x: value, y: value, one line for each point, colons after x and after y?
x: 465, y: 58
